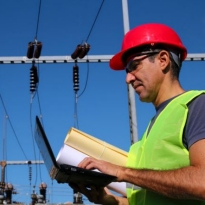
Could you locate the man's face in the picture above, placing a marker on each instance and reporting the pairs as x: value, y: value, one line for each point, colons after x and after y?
x: 145, y: 77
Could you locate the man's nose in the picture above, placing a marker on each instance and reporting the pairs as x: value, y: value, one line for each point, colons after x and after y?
x: 129, y: 78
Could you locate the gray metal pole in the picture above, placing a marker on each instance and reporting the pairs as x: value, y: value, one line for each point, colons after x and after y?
x: 131, y: 92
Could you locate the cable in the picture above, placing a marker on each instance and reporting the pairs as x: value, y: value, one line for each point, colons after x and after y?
x: 34, y: 51
x: 40, y: 169
x: 34, y: 79
x: 39, y: 10
x: 34, y: 91
x: 80, y: 52
x: 12, y: 127
x: 82, y: 49
x: 34, y: 150
x: 4, y: 138
x: 94, y: 21
x: 76, y: 88
x: 86, y: 81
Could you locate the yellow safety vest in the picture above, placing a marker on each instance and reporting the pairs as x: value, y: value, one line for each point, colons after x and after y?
x: 162, y: 149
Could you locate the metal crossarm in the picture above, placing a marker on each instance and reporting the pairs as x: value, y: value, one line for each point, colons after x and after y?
x: 195, y: 57
x: 68, y: 59
x: 54, y: 59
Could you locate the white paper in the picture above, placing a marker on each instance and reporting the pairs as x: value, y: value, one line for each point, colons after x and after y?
x: 69, y: 155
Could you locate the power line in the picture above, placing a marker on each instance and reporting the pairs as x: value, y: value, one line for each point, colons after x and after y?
x: 12, y: 127
x: 34, y: 51
x: 86, y: 81
x: 95, y: 20
x: 39, y: 10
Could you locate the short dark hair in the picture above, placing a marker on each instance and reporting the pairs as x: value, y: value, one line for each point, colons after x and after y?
x: 175, y: 68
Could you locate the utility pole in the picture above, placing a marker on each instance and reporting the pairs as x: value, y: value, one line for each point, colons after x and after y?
x: 131, y: 92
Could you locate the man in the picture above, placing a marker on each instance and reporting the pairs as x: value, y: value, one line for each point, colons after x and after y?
x: 167, y: 166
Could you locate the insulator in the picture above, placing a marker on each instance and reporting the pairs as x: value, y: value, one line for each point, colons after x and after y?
x: 43, y: 193
x: 8, y: 191
x: 30, y: 173
x: 30, y: 50
x: 8, y: 186
x: 38, y: 49
x: 2, y: 185
x: 77, y: 51
x: 33, y: 198
x: 75, y: 78
x: 33, y: 78
x: 77, y: 198
x: 84, y: 50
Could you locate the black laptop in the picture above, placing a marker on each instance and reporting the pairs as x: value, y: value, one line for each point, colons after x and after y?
x: 64, y: 173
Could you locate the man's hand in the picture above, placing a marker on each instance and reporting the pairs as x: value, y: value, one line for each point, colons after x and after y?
x: 103, y: 166
x: 97, y: 195
x: 100, y: 195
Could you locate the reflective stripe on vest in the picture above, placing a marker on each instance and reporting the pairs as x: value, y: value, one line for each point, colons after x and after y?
x: 132, y: 186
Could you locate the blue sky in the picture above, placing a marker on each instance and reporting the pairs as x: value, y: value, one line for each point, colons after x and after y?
x: 103, y: 107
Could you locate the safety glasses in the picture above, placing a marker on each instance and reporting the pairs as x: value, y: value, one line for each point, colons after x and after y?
x: 133, y: 64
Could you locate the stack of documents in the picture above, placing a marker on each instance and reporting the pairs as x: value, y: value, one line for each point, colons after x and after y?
x: 78, y: 145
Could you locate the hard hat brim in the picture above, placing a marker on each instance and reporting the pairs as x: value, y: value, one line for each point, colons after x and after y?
x: 116, y: 62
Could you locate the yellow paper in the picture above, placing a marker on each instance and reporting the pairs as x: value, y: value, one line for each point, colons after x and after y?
x: 94, y: 147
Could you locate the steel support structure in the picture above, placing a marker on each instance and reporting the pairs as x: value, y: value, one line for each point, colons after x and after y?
x: 93, y: 59
x: 68, y: 59
x: 131, y: 92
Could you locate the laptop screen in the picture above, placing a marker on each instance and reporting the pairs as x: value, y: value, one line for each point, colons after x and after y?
x: 44, y: 146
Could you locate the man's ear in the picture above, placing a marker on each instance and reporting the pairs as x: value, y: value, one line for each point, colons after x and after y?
x: 164, y: 60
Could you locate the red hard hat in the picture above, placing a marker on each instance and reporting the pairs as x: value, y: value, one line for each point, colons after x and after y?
x: 148, y: 34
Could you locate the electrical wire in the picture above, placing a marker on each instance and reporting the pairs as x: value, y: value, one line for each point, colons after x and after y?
x: 34, y: 150
x: 39, y: 10
x: 40, y: 168
x: 4, y: 139
x: 76, y: 95
x: 36, y: 166
x: 95, y: 20
x: 33, y: 94
x: 86, y: 81
x: 12, y: 127
x: 76, y: 123
x: 86, y: 41
x: 32, y: 97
